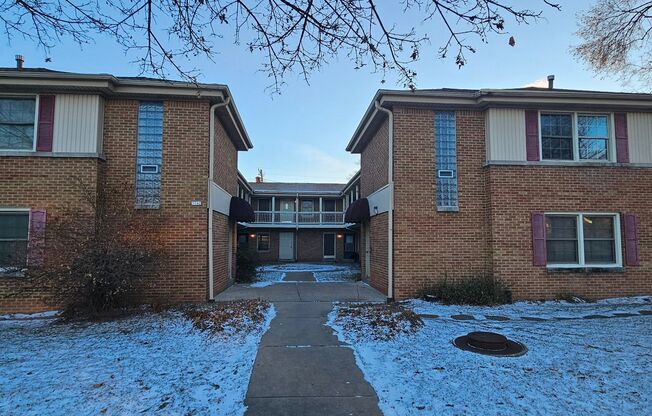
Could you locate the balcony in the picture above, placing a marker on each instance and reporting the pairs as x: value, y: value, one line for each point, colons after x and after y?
x: 296, y: 218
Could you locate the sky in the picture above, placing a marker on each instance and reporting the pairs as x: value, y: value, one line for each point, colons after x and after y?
x: 301, y: 134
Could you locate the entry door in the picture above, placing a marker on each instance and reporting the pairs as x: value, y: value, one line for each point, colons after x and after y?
x: 287, y: 210
x: 349, y: 246
x: 286, y: 246
x: 329, y: 245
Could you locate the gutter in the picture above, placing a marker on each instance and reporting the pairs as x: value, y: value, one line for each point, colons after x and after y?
x: 390, y: 212
x: 211, y: 173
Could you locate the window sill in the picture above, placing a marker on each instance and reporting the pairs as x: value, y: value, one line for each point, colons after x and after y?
x: 448, y: 209
x: 585, y: 269
x: 9, y: 274
x: 29, y: 153
x: 552, y: 163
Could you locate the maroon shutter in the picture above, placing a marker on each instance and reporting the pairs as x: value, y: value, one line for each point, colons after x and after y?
x: 532, y: 134
x: 622, y: 149
x: 45, y: 123
x: 538, y: 239
x: 631, y: 240
x: 36, y: 244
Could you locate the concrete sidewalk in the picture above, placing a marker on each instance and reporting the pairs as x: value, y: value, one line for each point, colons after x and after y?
x: 301, y: 368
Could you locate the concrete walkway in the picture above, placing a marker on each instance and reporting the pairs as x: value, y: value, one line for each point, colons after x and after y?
x: 301, y: 368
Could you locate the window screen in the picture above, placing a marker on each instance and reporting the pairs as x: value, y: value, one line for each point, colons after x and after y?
x: 446, y: 159
x: 149, y: 155
x: 593, y: 136
x: 14, y: 229
x: 17, y: 123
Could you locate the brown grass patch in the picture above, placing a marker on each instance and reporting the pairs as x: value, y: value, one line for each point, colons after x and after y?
x: 381, y: 321
x: 241, y: 316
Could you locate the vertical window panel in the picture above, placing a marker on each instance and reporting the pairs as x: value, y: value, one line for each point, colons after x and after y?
x: 149, y: 155
x: 446, y: 160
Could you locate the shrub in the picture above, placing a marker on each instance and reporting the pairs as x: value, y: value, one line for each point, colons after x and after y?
x: 99, y: 258
x: 246, y: 263
x: 475, y: 290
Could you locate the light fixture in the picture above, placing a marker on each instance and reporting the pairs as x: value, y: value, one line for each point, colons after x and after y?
x: 340, y: 236
x: 252, y: 235
x: 375, y: 210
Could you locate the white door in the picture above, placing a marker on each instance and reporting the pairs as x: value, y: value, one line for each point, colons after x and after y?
x: 286, y: 246
x: 287, y: 210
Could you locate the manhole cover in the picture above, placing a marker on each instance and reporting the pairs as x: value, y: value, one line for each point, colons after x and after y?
x: 490, y: 343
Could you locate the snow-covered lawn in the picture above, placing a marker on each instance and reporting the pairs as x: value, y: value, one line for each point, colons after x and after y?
x: 580, y: 366
x: 154, y: 363
x: 338, y: 272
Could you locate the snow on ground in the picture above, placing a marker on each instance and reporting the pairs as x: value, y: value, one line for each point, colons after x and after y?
x: 37, y: 315
x: 545, y: 310
x: 595, y: 366
x: 335, y: 272
x: 146, y: 364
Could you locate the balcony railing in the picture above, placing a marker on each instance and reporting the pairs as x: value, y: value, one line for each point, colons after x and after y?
x: 294, y: 217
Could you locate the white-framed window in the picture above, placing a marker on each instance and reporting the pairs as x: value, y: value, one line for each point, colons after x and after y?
x: 14, y: 236
x: 262, y: 241
x: 576, y: 136
x: 18, y: 119
x: 583, y: 240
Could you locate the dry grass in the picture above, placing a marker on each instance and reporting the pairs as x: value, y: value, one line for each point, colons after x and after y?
x: 380, y: 321
x: 241, y: 315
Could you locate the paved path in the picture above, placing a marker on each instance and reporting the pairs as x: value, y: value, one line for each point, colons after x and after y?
x: 301, y: 368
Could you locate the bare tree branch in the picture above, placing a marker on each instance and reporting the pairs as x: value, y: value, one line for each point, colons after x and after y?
x: 294, y: 36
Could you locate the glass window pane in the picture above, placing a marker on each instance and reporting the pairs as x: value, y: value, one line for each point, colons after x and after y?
x: 598, y: 227
x: 149, y: 152
x: 13, y: 253
x: 594, y: 149
x: 592, y: 126
x: 446, y: 158
x: 558, y: 227
x: 557, y: 136
x: 264, y: 205
x: 599, y: 252
x: 562, y: 252
x: 263, y: 242
x: 17, y: 110
x: 14, y: 225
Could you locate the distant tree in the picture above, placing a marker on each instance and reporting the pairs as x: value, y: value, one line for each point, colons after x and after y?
x: 617, y: 39
x: 293, y: 35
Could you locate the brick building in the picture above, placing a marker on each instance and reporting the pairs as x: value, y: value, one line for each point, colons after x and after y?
x: 548, y: 190
x: 301, y: 222
x: 175, y: 144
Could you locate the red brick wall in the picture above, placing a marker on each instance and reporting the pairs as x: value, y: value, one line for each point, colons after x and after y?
x: 48, y: 183
x: 373, y: 162
x: 222, y: 229
x: 430, y: 245
x: 378, y: 255
x: 226, y: 160
x: 183, y: 227
x: 517, y: 191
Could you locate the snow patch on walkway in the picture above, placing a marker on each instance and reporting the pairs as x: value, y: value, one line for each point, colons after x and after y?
x: 338, y: 272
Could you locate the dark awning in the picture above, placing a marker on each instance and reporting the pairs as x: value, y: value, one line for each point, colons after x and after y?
x: 358, y: 211
x: 241, y: 211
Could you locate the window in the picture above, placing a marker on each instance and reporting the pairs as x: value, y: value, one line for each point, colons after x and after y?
x: 149, y: 155
x: 263, y: 242
x: 593, y: 135
x: 307, y: 206
x: 264, y: 205
x: 575, y: 136
x: 14, y: 230
x: 446, y: 160
x: 557, y: 136
x: 583, y: 240
x: 328, y: 205
x: 17, y: 117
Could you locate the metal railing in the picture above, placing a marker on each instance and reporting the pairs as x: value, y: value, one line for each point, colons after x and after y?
x: 298, y: 217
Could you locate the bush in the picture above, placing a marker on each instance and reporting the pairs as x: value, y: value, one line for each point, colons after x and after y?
x: 99, y: 260
x: 476, y: 290
x: 246, y: 263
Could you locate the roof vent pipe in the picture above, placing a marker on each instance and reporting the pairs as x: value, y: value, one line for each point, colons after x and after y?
x: 19, y: 62
x: 551, y: 82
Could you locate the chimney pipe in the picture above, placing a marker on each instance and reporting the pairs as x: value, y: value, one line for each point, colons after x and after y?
x: 19, y: 62
x: 551, y: 82
x: 258, y: 179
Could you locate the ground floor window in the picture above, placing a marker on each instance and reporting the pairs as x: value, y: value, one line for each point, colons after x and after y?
x: 583, y: 239
x: 263, y: 241
x: 329, y: 245
x: 14, y: 231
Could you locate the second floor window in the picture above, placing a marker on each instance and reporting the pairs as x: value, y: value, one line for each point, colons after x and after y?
x: 17, y: 117
x: 575, y: 136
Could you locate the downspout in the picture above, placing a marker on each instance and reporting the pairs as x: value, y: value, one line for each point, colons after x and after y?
x: 390, y: 213
x: 211, y: 173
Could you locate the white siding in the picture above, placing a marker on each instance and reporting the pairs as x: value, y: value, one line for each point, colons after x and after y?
x: 639, y: 131
x: 78, y: 123
x: 505, y: 134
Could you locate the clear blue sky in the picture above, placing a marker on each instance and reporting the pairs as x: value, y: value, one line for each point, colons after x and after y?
x: 301, y: 134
